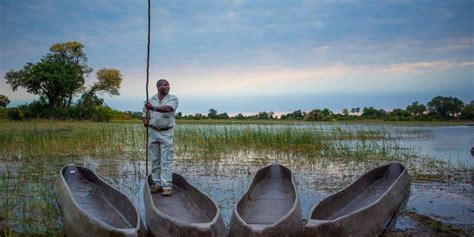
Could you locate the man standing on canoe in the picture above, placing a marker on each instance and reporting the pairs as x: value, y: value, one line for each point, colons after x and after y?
x: 162, y: 107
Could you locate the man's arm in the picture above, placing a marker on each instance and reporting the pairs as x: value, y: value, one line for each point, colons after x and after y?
x: 161, y: 109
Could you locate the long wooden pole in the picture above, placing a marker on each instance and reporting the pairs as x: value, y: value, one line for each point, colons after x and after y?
x: 147, y: 81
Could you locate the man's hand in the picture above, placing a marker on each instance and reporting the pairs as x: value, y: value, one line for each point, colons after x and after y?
x: 149, y: 106
x: 146, y: 122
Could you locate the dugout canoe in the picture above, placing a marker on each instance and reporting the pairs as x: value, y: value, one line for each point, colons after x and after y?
x: 365, y: 207
x: 187, y: 212
x: 270, y: 207
x: 91, y: 207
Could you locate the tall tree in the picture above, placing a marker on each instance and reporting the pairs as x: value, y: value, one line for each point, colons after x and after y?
x: 57, y: 77
x: 372, y: 112
x: 53, y: 79
x: 109, y: 81
x: 468, y: 111
x: 71, y: 51
x: 4, y: 101
x: 262, y: 115
x: 416, y: 108
x: 314, y: 115
x: 445, y: 106
x: 326, y: 113
x: 212, y: 114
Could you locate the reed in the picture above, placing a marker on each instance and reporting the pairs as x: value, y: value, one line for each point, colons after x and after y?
x: 20, y: 141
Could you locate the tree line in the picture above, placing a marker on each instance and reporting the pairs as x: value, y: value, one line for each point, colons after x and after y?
x: 438, y: 109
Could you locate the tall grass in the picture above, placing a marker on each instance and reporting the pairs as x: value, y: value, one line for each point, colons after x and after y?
x: 20, y: 141
x: 23, y: 141
x: 308, y: 142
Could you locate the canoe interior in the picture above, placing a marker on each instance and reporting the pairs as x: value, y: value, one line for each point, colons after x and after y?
x: 98, y: 199
x: 360, y: 194
x: 186, y: 204
x: 270, y: 197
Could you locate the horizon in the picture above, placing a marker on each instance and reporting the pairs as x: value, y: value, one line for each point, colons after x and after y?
x: 249, y: 57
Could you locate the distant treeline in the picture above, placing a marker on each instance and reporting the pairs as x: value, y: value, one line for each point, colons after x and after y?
x: 438, y: 109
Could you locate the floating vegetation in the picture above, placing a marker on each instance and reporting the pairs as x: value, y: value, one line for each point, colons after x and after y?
x: 434, y: 225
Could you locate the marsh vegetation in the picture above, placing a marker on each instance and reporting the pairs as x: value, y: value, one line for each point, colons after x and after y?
x: 221, y: 159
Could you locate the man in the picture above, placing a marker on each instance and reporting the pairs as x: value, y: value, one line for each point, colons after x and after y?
x: 162, y: 108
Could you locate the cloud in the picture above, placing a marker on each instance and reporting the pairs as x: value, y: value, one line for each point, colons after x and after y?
x: 455, y: 44
x: 231, y: 81
x: 322, y: 49
x: 318, y: 24
x: 419, y: 67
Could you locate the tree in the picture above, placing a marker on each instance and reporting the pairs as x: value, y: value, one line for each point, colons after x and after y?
x: 53, y: 79
x: 222, y: 116
x: 314, y: 115
x: 71, y: 51
x: 372, y: 113
x: 445, y: 106
x: 468, y: 111
x: 326, y: 113
x: 416, y: 108
x: 399, y: 113
x: 345, y: 112
x: 265, y: 115
x: 295, y: 115
x: 212, y: 114
x: 57, y: 77
x: 4, y: 101
x: 109, y: 81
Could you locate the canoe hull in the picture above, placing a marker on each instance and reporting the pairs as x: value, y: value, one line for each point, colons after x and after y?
x: 161, y: 224
x: 369, y: 220
x: 78, y: 222
x: 288, y: 225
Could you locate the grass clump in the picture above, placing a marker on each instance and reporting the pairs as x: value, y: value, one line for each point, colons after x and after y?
x: 434, y: 225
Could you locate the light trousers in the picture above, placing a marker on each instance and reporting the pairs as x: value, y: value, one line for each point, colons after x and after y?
x: 161, y: 153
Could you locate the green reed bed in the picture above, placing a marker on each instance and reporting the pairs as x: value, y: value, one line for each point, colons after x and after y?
x: 213, y: 141
x: 21, y: 141
x: 60, y: 139
x: 27, y: 203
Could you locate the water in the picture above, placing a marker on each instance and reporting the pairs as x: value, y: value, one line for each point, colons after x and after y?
x: 226, y: 182
x: 449, y: 202
x: 442, y: 191
x: 441, y: 142
x: 454, y: 143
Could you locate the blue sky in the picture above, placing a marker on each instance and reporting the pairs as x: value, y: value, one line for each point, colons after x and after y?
x: 251, y: 56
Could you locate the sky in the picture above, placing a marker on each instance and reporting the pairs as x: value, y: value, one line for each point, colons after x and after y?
x: 250, y: 56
